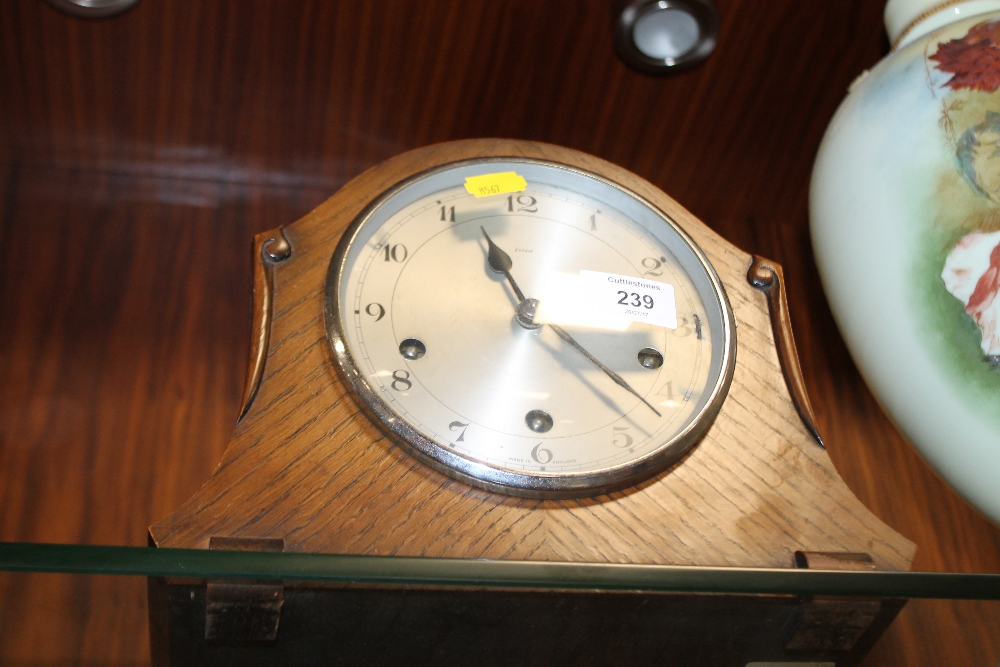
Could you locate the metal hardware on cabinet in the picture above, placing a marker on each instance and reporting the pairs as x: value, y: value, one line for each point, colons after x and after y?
x: 277, y: 248
x: 92, y: 8
x: 767, y: 276
x: 838, y: 624
x: 269, y: 249
x: 244, y: 610
x: 665, y: 36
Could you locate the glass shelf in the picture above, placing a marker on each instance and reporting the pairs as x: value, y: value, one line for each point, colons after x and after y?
x: 63, y: 582
x: 408, y: 571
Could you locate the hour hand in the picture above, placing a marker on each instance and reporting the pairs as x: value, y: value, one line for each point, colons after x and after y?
x: 500, y: 262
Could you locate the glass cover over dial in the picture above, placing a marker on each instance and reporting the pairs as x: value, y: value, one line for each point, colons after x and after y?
x: 564, y: 339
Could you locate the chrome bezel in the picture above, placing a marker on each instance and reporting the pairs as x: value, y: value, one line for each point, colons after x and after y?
x: 493, y: 478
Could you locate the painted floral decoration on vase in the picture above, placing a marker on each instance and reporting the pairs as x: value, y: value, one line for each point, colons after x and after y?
x: 905, y: 223
x: 971, y: 271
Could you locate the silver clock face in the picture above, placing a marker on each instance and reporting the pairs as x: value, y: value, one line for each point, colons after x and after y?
x: 564, y: 339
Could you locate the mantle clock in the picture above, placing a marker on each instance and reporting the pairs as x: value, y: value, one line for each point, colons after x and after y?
x: 497, y: 349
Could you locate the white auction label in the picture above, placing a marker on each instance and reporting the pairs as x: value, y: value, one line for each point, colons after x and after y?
x: 634, y: 299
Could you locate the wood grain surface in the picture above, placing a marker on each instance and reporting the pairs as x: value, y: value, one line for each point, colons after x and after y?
x: 139, y: 155
x: 306, y: 466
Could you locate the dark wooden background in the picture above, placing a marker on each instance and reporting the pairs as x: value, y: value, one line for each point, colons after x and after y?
x: 139, y: 154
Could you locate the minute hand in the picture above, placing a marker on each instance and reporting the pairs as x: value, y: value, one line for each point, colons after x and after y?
x: 619, y: 380
x: 500, y: 262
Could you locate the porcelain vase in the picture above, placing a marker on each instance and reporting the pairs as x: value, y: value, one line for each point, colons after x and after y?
x: 905, y: 224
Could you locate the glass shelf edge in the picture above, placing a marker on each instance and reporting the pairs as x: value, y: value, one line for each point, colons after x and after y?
x: 407, y: 571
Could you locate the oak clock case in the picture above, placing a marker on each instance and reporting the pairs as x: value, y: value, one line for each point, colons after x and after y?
x: 735, y: 476
x: 611, y: 375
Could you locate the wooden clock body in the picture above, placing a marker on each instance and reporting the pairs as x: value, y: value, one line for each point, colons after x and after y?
x: 307, y: 467
x: 307, y: 471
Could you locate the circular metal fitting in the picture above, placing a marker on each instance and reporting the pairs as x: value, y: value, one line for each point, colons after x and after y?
x: 663, y: 36
x: 525, y: 314
x: 92, y: 8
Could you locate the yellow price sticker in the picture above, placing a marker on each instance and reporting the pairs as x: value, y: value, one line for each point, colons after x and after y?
x: 495, y: 184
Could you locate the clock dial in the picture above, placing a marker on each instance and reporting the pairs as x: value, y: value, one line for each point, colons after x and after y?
x: 563, y: 339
